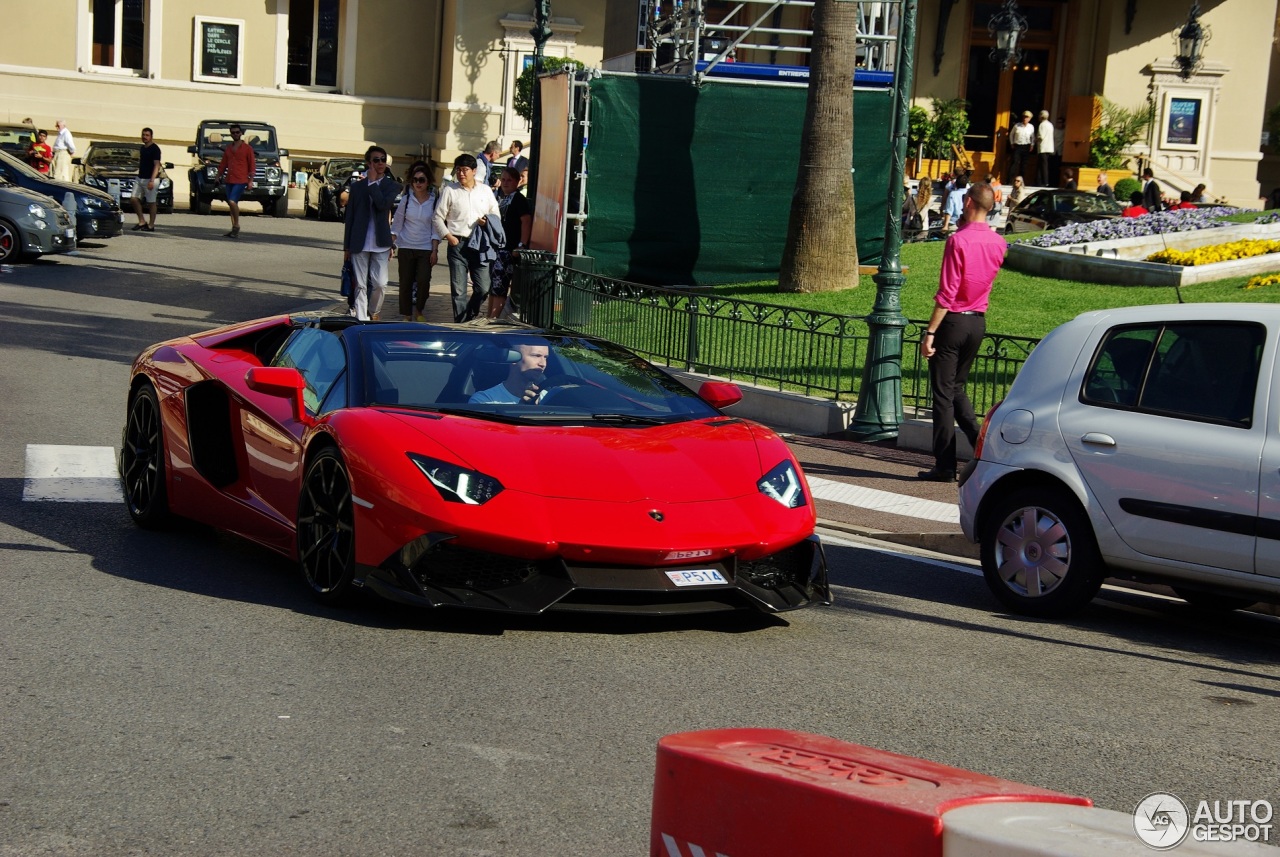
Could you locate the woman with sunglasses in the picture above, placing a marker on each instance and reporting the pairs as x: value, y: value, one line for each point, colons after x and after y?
x: 463, y: 207
x: 414, y: 233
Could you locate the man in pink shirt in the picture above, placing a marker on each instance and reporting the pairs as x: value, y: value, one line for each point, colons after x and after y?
x: 970, y: 262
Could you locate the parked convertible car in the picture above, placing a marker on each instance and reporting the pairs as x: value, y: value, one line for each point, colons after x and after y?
x: 112, y: 167
x: 326, y: 192
x: 367, y: 452
x: 1137, y: 443
x: 1049, y: 209
x: 97, y: 215
x: 32, y: 224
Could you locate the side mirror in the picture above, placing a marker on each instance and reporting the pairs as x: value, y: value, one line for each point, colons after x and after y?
x: 280, y: 381
x: 168, y: 165
x: 720, y: 394
x: 193, y: 149
x: 284, y: 153
x: 75, y: 161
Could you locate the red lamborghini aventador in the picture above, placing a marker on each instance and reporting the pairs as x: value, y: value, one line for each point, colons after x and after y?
x: 486, y: 467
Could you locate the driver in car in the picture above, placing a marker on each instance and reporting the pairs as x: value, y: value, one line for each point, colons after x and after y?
x: 522, y: 384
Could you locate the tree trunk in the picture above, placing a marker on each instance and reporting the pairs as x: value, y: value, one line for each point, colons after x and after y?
x: 821, y: 253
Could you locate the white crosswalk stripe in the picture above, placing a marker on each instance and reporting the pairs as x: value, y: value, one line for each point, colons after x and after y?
x: 71, y: 474
x: 884, y: 501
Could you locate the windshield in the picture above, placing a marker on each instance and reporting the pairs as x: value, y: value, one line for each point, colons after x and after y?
x: 515, y: 377
x: 21, y: 167
x: 340, y: 168
x: 102, y: 156
x: 261, y: 137
x: 1094, y: 204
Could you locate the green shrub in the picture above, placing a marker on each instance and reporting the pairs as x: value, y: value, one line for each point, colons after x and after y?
x: 1119, y: 129
x: 1125, y: 188
x: 950, y: 122
x: 523, y: 101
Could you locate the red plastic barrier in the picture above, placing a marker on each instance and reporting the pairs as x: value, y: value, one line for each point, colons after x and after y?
x: 775, y: 793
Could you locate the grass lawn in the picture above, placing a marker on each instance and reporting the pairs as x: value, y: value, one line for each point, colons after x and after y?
x: 1021, y: 304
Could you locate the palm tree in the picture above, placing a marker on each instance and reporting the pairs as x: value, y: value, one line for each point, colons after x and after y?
x: 821, y: 252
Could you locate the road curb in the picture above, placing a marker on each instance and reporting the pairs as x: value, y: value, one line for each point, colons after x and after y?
x: 952, y: 544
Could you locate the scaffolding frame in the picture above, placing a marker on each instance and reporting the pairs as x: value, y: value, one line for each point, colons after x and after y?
x: 682, y: 40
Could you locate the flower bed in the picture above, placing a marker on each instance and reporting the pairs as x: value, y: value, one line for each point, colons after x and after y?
x: 1213, y: 253
x: 1160, y: 223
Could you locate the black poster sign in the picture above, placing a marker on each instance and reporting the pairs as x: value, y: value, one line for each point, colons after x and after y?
x: 218, y: 50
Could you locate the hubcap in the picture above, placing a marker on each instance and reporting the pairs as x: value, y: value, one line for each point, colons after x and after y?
x: 1033, y: 552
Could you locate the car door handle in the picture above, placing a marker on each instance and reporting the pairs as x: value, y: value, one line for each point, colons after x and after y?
x: 1097, y: 438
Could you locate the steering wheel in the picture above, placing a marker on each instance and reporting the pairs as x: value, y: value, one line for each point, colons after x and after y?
x: 554, y: 385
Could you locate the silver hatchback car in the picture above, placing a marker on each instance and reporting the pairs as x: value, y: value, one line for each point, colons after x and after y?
x: 1139, y: 443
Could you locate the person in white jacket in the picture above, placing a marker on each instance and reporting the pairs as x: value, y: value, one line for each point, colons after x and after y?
x: 463, y: 205
x: 414, y: 231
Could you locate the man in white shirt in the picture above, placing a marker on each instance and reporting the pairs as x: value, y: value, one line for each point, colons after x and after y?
x: 1021, y: 136
x: 64, y: 147
x: 1044, y: 150
x: 463, y: 207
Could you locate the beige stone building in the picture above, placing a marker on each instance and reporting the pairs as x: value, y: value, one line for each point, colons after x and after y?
x: 334, y: 76
x: 1208, y: 127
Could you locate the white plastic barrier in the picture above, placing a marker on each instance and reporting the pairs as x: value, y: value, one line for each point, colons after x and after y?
x: 1063, y: 830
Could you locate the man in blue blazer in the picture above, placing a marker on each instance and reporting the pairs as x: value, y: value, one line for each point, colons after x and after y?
x: 366, y: 237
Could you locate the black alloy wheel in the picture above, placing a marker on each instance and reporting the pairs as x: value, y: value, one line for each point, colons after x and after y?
x: 142, y: 467
x: 326, y: 529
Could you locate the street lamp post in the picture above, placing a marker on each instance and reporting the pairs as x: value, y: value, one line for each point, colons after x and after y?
x: 879, y: 410
x: 541, y: 33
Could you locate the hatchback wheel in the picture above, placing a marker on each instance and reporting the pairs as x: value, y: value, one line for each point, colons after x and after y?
x: 326, y: 529
x: 1039, y: 554
x: 142, y: 461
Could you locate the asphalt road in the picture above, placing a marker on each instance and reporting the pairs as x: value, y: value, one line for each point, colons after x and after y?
x: 179, y: 693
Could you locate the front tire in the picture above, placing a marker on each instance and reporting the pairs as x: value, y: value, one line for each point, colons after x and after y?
x: 279, y: 209
x: 1039, y: 554
x: 203, y: 206
x: 10, y: 241
x: 142, y: 462
x: 326, y: 529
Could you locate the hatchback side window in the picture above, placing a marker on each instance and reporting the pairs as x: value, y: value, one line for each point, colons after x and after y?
x: 1201, y: 371
x: 320, y: 357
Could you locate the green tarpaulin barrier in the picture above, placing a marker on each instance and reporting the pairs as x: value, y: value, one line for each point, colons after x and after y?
x: 692, y: 185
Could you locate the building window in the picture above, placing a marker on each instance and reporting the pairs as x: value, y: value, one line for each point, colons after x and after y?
x: 313, y: 42
x: 119, y: 33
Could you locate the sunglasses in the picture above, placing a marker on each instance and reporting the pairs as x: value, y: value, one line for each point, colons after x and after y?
x: 377, y: 160
x: 419, y: 179
x: 464, y: 169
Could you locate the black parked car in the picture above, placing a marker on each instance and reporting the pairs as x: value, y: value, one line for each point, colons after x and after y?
x: 114, y: 166
x: 1049, y: 209
x: 327, y: 188
x: 97, y: 215
x: 32, y: 225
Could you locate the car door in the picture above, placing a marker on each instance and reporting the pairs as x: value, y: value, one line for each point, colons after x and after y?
x: 1167, y: 432
x: 1030, y: 215
x: 1267, y: 557
x: 270, y: 427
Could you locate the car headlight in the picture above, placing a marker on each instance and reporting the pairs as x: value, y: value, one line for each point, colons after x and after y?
x: 211, y: 172
x: 457, y: 484
x: 93, y: 181
x: 782, y: 483
x: 37, y: 210
x: 91, y: 203
x: 273, y: 174
x: 164, y: 183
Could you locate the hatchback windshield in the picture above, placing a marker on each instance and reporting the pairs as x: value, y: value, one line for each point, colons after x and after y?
x: 522, y: 378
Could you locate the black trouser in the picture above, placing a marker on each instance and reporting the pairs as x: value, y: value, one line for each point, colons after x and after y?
x: 1042, y: 173
x: 955, y: 346
x: 1017, y: 162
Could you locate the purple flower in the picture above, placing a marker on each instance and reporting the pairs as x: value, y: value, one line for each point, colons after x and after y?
x: 1157, y: 223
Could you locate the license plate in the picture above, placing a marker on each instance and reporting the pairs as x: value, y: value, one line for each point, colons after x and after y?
x: 69, y: 232
x: 696, y: 577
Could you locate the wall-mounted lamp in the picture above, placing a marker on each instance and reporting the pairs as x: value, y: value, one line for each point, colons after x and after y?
x: 1191, y: 39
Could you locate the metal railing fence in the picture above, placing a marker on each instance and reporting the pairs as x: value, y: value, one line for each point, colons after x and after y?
x: 792, y: 349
